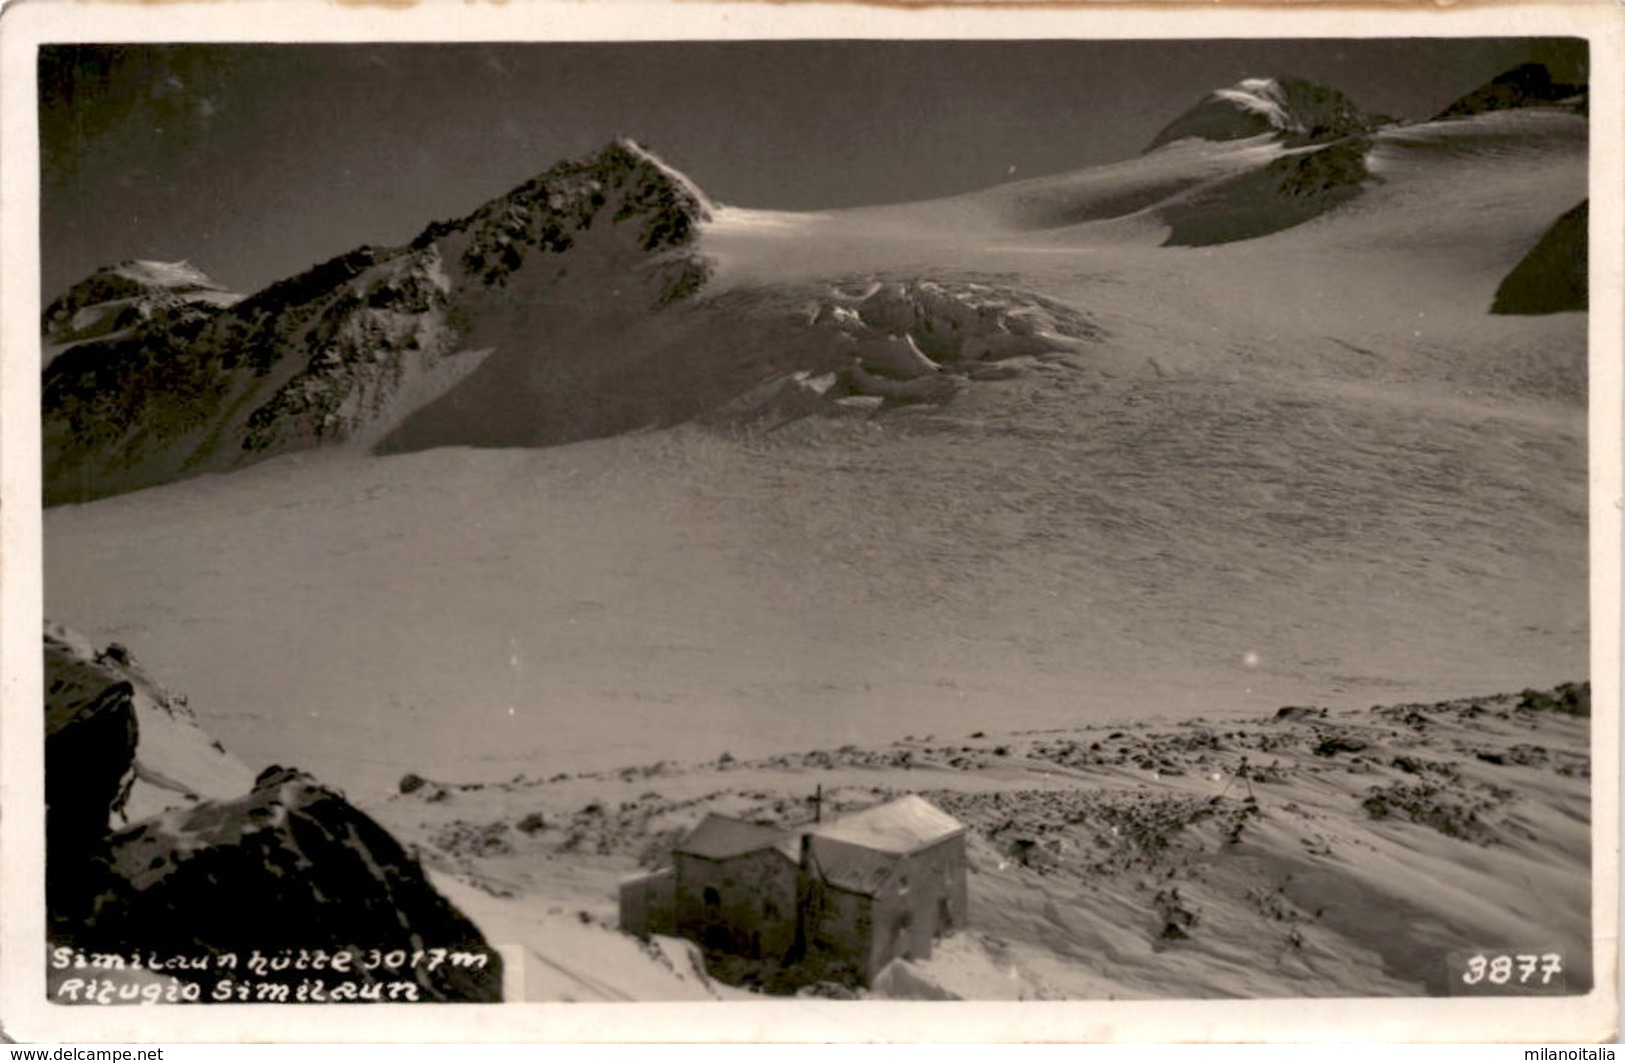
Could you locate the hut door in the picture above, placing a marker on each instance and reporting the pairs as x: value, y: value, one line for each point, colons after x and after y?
x: 714, y: 936
x: 901, y: 936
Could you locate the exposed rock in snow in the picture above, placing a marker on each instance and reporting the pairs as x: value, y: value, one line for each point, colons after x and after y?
x: 303, y: 869
x: 90, y: 756
x: 1552, y: 277
x: 386, y: 327
x: 131, y: 295
x: 550, y: 212
x: 174, y: 763
x: 1298, y: 111
x: 1289, y: 191
x: 1529, y: 85
x: 219, y: 879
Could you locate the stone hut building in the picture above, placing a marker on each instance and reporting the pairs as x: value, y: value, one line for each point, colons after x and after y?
x: 857, y: 892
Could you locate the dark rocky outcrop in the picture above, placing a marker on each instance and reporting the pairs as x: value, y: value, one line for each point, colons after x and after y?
x: 1570, y: 699
x: 1529, y: 85
x: 172, y: 761
x: 90, y: 744
x: 289, y: 866
x: 90, y: 748
x: 1289, y: 191
x: 1554, y: 275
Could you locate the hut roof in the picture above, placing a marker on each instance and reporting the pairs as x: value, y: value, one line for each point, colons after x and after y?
x: 854, y: 852
x: 719, y: 837
x: 852, y: 867
x: 898, y: 826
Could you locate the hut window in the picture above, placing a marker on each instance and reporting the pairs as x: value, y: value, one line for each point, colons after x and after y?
x: 713, y: 901
x: 770, y: 910
x: 902, y: 884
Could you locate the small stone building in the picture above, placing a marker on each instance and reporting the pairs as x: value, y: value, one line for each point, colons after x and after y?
x: 859, y: 891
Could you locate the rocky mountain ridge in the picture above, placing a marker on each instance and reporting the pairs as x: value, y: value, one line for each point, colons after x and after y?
x: 317, y: 358
x: 585, y: 303
x: 1529, y: 85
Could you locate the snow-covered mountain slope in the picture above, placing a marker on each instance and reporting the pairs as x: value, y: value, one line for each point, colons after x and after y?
x: 610, y: 294
x: 1056, y: 404
x: 336, y: 354
x: 945, y: 467
x: 1359, y: 189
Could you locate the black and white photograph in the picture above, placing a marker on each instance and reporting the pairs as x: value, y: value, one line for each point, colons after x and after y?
x: 839, y: 519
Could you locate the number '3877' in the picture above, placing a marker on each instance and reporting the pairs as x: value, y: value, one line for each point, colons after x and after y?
x: 1513, y: 968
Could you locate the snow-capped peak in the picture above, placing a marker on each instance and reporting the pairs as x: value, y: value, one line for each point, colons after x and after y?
x: 1261, y: 96
x: 1293, y: 109
x: 176, y: 275
x: 706, y: 206
x: 119, y: 297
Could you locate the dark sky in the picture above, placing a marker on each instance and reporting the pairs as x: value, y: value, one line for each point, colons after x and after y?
x: 256, y: 161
